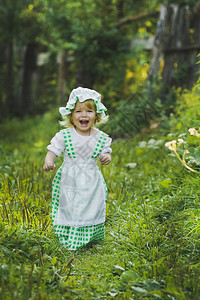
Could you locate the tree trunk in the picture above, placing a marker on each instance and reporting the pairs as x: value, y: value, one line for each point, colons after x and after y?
x: 159, y: 43
x: 9, y: 106
x: 62, y: 76
x: 120, y: 6
x: 30, y: 65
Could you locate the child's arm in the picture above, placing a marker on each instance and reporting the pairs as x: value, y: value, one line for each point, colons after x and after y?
x: 105, y: 159
x: 49, y: 161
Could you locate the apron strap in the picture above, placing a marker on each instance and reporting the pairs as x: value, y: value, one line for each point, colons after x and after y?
x: 68, y: 143
x: 100, y: 144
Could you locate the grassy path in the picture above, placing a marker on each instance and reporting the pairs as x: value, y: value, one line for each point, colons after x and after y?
x: 151, y: 250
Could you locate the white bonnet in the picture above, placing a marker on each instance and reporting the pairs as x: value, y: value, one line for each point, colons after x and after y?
x: 81, y: 94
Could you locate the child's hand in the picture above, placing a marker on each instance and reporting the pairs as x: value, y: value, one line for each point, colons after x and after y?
x: 49, y: 165
x: 105, y: 159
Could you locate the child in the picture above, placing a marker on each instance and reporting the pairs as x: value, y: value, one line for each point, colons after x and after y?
x: 79, y: 191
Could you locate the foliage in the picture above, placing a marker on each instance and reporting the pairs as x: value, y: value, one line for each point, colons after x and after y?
x: 133, y: 114
x: 96, y: 53
x: 151, y: 250
x: 185, y: 142
x: 21, y: 27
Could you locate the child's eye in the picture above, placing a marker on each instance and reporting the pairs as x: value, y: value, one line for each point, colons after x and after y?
x: 77, y: 111
x: 90, y: 110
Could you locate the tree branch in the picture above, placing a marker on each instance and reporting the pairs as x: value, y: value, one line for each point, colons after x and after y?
x: 139, y: 17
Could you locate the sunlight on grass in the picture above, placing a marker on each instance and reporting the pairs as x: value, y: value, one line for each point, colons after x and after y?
x: 152, y: 226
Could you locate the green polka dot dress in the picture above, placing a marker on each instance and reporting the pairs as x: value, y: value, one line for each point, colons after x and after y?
x: 79, y: 191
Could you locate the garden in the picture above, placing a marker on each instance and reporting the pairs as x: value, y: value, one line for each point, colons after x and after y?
x: 151, y: 247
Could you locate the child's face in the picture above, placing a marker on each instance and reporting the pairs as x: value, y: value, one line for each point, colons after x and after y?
x: 83, y: 117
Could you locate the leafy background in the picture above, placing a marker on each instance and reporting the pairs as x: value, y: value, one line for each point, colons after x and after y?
x: 151, y: 249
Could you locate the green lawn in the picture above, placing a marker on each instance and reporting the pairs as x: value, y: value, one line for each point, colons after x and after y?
x: 151, y: 249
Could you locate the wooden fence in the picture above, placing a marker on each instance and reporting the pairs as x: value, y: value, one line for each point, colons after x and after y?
x: 176, y: 46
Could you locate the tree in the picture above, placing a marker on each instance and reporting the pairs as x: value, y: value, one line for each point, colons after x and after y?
x: 19, y: 33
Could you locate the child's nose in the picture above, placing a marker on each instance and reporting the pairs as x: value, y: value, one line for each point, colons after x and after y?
x: 84, y: 113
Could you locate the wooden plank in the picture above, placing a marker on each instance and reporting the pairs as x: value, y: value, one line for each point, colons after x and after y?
x: 182, y: 49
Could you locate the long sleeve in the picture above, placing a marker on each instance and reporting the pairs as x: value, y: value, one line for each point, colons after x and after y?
x: 57, y: 144
x: 107, y: 148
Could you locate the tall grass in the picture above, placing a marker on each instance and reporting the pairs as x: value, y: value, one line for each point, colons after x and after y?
x: 151, y: 250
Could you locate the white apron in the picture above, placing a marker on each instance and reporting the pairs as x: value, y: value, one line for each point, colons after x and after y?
x: 79, y: 191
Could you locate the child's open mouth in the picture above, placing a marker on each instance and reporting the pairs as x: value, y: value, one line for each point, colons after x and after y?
x: 84, y: 122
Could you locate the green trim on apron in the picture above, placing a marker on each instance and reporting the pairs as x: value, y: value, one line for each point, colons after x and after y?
x: 68, y: 143
x: 69, y: 236
x: 99, y: 145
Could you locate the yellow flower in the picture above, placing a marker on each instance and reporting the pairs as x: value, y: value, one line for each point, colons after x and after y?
x: 30, y: 7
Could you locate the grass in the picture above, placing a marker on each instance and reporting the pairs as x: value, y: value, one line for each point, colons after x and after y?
x: 151, y: 250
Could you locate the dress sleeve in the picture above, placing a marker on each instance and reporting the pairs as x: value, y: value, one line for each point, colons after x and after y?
x: 107, y: 148
x: 57, y: 144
